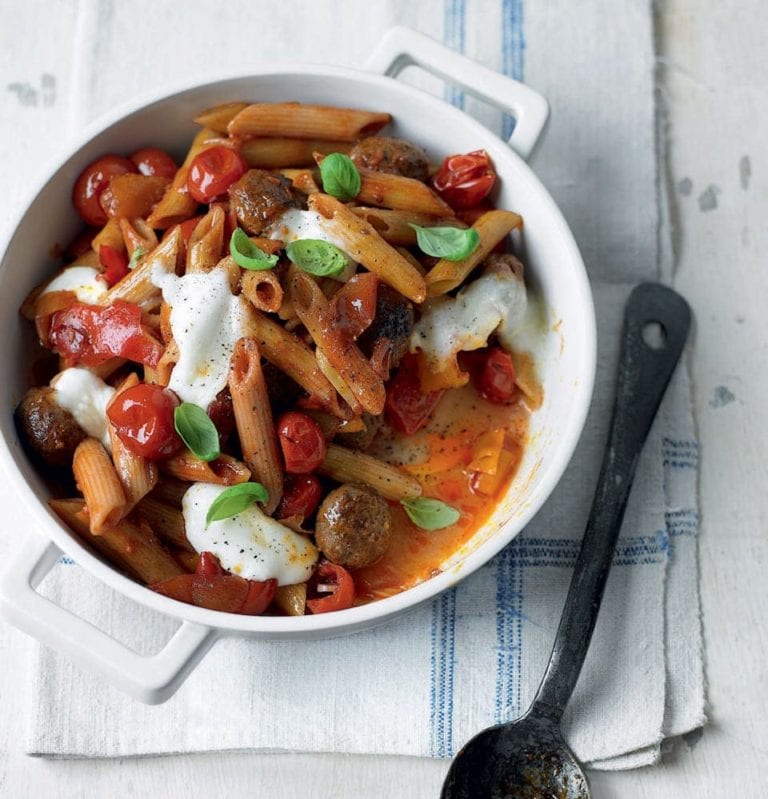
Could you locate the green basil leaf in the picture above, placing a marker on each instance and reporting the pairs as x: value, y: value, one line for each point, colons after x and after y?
x: 246, y: 254
x: 319, y: 258
x: 197, y: 431
x: 451, y: 243
x: 430, y: 514
x: 340, y: 177
x: 138, y: 254
x: 234, y: 500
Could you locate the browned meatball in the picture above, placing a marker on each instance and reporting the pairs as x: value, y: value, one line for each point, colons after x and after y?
x: 396, y: 156
x: 393, y: 321
x: 354, y: 526
x: 363, y: 438
x: 260, y: 197
x: 49, y: 430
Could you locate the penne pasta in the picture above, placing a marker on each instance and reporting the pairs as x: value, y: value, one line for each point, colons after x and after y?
x: 165, y: 521
x: 98, y: 481
x: 205, y: 246
x: 137, y: 234
x: 110, y: 235
x: 170, y: 491
x: 253, y: 417
x: 363, y: 243
x: 394, y: 226
x: 342, y: 353
x: 492, y: 226
x: 306, y: 121
x: 350, y: 466
x: 218, y: 117
x: 225, y: 470
x: 336, y: 380
x: 302, y: 179
x: 263, y: 290
x: 291, y: 599
x: 278, y: 153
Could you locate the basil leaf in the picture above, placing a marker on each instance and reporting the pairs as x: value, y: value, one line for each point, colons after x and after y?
x: 246, y: 254
x: 197, y: 431
x: 430, y: 514
x: 138, y: 254
x: 319, y: 258
x: 340, y: 176
x: 451, y: 243
x: 234, y: 500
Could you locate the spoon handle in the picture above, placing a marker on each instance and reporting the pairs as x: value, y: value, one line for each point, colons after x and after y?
x: 645, y: 367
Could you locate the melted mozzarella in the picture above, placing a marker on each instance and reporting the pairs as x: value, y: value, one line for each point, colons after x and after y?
x: 206, y: 322
x: 86, y: 397
x: 494, y: 302
x: 82, y: 280
x: 250, y: 544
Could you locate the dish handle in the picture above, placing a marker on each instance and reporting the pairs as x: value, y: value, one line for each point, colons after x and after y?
x: 402, y: 47
x: 150, y: 679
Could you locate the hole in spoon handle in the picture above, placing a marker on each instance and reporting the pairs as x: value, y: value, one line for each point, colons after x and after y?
x: 656, y: 324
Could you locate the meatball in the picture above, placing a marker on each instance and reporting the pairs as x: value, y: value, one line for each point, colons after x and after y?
x: 393, y: 321
x: 354, y: 526
x: 50, y: 431
x: 363, y: 438
x: 395, y: 156
x: 259, y: 198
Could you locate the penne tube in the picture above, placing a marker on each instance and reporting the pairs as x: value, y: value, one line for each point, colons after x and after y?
x: 362, y: 243
x: 170, y: 491
x: 292, y: 356
x: 205, y: 246
x: 306, y: 121
x: 177, y: 204
x: 162, y: 372
x: 45, y: 305
x: 291, y: 599
x: 412, y: 259
x: 492, y: 226
x: 165, y: 521
x: 350, y: 466
x: 131, y: 547
x: 110, y: 235
x: 342, y: 353
x: 225, y: 470
x: 137, y: 234
x: 262, y: 289
x: 107, y: 368
x: 271, y: 153
x: 338, y: 382
x: 228, y: 265
x: 137, y: 285
x: 218, y: 117
x: 302, y: 179
x: 99, y: 483
x: 394, y: 225
x: 253, y: 417
x: 188, y: 560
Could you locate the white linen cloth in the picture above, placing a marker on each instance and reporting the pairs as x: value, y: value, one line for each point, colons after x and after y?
x: 425, y: 683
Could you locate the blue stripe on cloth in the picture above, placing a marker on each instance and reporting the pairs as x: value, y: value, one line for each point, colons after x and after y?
x: 680, y: 454
x: 682, y: 522
x: 509, y: 632
x: 512, y: 50
x: 455, y: 13
x: 443, y: 638
x: 66, y: 560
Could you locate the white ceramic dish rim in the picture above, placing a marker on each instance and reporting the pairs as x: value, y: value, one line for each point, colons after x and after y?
x: 355, y: 618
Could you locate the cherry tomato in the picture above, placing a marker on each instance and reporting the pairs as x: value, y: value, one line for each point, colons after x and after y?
x: 222, y: 414
x: 91, y: 183
x: 342, y: 594
x: 301, y: 496
x: 407, y: 408
x: 354, y: 304
x: 115, y: 264
x: 88, y: 335
x: 224, y: 592
x: 302, y: 442
x: 259, y: 597
x: 143, y: 419
x: 227, y: 592
x: 178, y: 588
x: 213, y: 171
x: 208, y: 566
x: 495, y: 379
x: 154, y: 161
x: 464, y: 180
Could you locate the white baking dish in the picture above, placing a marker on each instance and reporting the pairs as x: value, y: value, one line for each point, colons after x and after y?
x: 555, y: 272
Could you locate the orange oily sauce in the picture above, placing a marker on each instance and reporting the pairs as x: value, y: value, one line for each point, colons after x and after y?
x: 466, y: 433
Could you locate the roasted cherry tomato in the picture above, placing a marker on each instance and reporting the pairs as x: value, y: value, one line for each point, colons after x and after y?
x: 91, y: 183
x: 302, y: 442
x: 213, y: 171
x: 301, y: 496
x: 80, y: 245
x: 143, y: 420
x: 208, y: 565
x: 495, y: 377
x: 335, y: 589
x: 354, y: 304
x: 407, y: 408
x: 222, y: 414
x: 464, y: 180
x: 88, y: 335
x: 115, y: 264
x: 259, y: 597
x: 154, y: 161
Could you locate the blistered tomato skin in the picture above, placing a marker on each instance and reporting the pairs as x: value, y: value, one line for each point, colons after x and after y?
x: 154, y: 161
x: 143, y: 419
x: 213, y: 171
x: 302, y: 442
x: 407, y: 408
x: 342, y: 594
x: 301, y: 496
x: 465, y: 180
x: 91, y: 183
x: 495, y: 379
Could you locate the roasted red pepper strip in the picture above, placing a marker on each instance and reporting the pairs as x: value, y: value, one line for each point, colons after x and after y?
x: 88, y: 335
x: 115, y: 264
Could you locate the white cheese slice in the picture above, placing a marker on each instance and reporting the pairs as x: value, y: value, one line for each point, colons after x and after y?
x: 82, y: 281
x: 250, y: 544
x: 85, y: 396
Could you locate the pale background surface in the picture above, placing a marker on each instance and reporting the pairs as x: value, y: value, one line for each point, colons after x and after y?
x: 713, y: 77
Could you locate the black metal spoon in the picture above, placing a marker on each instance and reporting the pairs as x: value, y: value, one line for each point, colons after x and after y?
x: 528, y: 758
